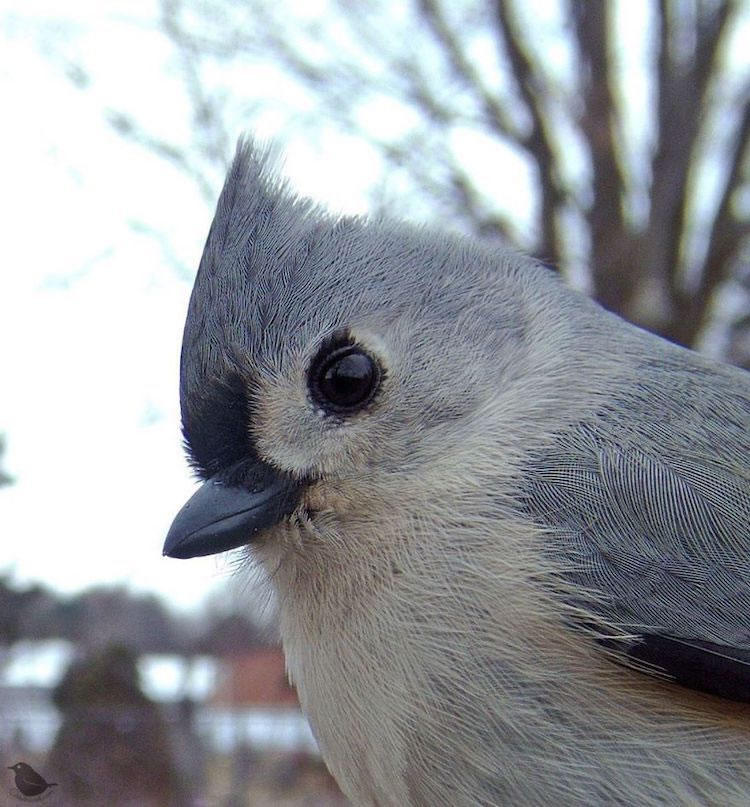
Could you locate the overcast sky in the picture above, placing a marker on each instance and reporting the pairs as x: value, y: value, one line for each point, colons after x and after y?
x: 91, y: 311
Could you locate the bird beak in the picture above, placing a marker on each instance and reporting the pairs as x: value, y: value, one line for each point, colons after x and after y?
x: 219, y: 517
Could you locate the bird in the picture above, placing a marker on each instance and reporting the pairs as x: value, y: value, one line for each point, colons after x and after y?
x: 507, y: 531
x: 28, y: 781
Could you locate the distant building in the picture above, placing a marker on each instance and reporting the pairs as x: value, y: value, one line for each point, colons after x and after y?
x: 241, y: 700
x: 28, y: 673
x: 36, y: 662
x: 254, y: 678
x: 253, y: 704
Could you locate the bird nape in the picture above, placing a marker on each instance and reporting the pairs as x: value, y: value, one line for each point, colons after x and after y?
x: 508, y: 531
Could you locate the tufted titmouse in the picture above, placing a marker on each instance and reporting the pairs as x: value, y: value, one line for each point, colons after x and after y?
x: 508, y: 531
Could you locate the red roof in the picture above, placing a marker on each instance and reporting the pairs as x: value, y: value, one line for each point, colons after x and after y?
x: 256, y: 678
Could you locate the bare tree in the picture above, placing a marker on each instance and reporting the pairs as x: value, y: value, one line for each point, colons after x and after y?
x: 657, y: 225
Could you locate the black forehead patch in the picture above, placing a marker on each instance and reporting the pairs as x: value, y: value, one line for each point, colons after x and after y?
x: 215, y: 424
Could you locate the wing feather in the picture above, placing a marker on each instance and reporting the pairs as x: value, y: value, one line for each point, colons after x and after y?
x: 658, y: 525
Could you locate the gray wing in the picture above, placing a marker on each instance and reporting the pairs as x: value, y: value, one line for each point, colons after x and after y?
x: 656, y: 518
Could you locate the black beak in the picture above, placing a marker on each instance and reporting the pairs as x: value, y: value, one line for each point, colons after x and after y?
x: 219, y: 517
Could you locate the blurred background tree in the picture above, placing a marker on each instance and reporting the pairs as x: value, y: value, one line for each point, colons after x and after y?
x: 99, y: 616
x: 113, y: 745
x: 630, y: 151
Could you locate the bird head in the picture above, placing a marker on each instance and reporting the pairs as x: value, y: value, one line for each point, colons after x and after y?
x: 342, y: 377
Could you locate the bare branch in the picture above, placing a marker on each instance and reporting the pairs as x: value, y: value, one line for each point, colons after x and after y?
x: 131, y: 130
x: 208, y: 125
x: 614, y: 273
x: 682, y: 107
x: 539, y: 142
x: 725, y: 242
x: 466, y: 206
x: 349, y: 60
x: 738, y: 351
x: 496, y: 114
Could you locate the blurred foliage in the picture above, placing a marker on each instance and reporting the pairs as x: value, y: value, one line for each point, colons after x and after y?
x: 229, y: 634
x: 112, y: 747
x: 98, y: 616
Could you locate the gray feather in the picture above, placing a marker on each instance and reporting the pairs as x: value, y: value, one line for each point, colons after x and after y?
x: 648, y: 501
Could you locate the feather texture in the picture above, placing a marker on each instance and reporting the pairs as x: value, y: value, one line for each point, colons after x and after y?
x: 536, y: 491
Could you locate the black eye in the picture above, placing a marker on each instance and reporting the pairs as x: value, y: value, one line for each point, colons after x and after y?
x: 344, y: 379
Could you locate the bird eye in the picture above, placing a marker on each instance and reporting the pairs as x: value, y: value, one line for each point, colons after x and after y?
x: 344, y: 379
